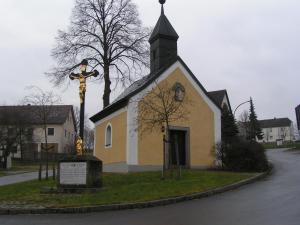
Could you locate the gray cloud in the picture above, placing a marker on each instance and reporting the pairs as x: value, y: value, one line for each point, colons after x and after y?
x: 248, y: 47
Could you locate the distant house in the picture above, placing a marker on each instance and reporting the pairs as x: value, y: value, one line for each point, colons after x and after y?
x: 277, y: 129
x: 221, y: 98
x: 61, y: 129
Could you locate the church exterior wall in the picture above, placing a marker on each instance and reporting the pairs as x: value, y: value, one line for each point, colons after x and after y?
x: 201, y: 129
x: 115, y: 156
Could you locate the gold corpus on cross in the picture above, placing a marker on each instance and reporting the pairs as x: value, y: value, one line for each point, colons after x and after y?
x: 79, y: 146
x: 82, y: 76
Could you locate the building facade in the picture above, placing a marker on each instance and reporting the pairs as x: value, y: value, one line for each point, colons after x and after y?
x: 277, y: 129
x: 60, y: 129
x: 119, y: 140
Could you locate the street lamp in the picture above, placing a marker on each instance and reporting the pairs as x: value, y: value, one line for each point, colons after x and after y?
x: 240, y: 106
x: 82, y: 76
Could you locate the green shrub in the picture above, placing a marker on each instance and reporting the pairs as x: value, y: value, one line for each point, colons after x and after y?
x: 243, y: 156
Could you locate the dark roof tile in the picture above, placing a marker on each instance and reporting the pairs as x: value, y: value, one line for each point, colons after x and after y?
x: 276, y: 122
x: 29, y: 113
x: 218, y: 96
x: 136, y: 87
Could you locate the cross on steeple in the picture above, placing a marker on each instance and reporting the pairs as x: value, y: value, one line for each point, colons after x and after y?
x: 162, y: 2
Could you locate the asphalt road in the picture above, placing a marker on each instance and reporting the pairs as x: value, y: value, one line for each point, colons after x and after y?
x: 272, y: 201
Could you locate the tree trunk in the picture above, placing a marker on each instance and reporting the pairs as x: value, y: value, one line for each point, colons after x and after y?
x: 107, y: 83
x: 21, y: 146
x: 46, y: 142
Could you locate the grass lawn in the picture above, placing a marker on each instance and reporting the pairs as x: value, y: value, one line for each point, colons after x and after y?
x: 25, y: 166
x: 121, y: 188
x: 270, y: 146
x: 2, y: 174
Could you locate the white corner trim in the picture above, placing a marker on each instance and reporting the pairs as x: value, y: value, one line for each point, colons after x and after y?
x: 109, y: 117
x: 132, y: 132
x: 95, y: 141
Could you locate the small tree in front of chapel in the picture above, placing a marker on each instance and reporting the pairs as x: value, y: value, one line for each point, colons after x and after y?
x: 163, y: 105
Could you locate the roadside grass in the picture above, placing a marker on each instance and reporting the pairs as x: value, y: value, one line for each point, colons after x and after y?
x: 291, y: 145
x: 24, y: 166
x: 2, y: 174
x: 121, y: 188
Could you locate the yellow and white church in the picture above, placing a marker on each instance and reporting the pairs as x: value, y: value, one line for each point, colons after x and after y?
x: 118, y: 140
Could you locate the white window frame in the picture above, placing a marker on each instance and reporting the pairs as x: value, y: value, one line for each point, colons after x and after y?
x: 111, y: 136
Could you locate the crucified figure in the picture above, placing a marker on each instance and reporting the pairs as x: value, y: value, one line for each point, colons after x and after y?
x: 82, y: 76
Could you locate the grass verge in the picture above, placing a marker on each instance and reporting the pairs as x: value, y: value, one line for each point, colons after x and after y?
x: 121, y: 188
x: 270, y: 146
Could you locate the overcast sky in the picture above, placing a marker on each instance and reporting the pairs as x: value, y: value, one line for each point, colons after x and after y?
x: 249, y: 47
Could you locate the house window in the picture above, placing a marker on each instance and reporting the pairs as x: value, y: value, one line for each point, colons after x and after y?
x: 271, y: 137
x: 108, y: 136
x: 50, y: 131
x: 65, y: 133
x: 270, y: 129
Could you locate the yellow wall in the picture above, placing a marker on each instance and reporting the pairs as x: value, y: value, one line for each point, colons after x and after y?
x: 117, y: 153
x: 201, y: 124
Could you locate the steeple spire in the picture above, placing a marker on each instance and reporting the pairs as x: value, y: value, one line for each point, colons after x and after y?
x: 162, y: 2
x: 163, y: 41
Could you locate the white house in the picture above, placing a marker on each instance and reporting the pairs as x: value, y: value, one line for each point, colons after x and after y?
x: 277, y: 129
x: 60, y: 129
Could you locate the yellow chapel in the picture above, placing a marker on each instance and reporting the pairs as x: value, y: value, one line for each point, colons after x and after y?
x: 119, y: 142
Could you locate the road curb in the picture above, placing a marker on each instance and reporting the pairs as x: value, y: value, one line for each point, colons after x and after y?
x: 140, y: 205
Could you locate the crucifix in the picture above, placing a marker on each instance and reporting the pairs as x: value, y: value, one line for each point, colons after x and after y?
x: 82, y: 76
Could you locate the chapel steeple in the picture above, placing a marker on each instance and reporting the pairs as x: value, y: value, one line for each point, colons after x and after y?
x: 163, y: 42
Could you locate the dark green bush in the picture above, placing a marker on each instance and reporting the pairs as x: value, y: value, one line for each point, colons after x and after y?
x: 243, y: 156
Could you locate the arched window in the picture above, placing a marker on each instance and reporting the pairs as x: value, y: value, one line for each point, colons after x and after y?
x: 108, y: 136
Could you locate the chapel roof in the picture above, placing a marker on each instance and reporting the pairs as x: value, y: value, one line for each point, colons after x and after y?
x: 218, y: 96
x: 163, y: 28
x: 122, y: 100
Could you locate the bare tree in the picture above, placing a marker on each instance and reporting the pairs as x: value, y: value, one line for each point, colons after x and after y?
x: 243, y: 124
x: 162, y: 106
x: 110, y: 35
x: 88, y: 139
x: 44, y: 111
x: 15, y: 131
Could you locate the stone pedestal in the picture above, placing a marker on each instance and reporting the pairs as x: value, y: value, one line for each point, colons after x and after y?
x: 79, y: 173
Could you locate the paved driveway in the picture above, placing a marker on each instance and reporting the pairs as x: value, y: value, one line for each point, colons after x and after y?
x: 273, y: 201
x: 17, y: 178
